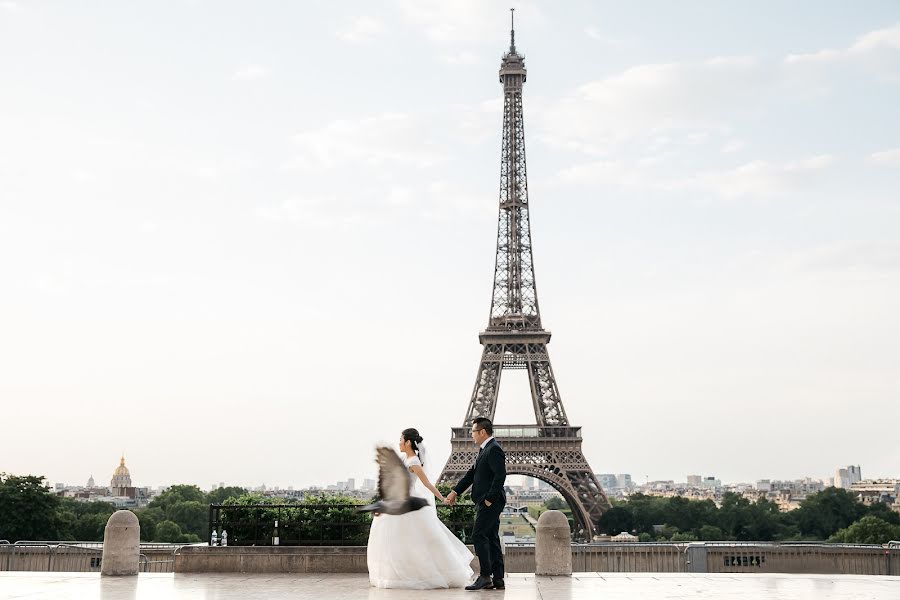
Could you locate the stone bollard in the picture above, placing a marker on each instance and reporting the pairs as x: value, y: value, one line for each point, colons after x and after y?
x: 553, y: 545
x: 121, y: 544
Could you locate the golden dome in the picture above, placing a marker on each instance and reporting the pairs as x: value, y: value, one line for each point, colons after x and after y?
x: 121, y: 470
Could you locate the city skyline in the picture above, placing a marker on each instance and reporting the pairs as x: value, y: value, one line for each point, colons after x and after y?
x: 369, y: 481
x: 262, y: 243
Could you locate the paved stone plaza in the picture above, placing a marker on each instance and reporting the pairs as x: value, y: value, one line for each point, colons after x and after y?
x: 582, y: 586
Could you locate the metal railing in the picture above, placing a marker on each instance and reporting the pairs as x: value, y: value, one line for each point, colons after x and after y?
x: 76, y: 556
x: 522, y: 431
x: 720, y: 557
x: 302, y: 524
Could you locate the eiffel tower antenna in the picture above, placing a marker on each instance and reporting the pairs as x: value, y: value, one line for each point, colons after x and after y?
x: 550, y: 449
x: 512, y: 30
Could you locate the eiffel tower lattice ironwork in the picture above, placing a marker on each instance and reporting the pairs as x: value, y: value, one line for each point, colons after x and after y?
x: 549, y: 450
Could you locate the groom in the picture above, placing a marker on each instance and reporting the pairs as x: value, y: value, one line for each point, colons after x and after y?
x: 487, y: 477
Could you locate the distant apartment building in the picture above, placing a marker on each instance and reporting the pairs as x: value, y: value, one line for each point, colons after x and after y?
x: 873, y: 491
x: 844, y: 478
x: 710, y: 483
x: 607, y: 480
x: 694, y: 480
x: 623, y: 481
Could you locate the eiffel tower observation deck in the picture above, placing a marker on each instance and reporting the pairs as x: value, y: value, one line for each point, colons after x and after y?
x: 549, y: 449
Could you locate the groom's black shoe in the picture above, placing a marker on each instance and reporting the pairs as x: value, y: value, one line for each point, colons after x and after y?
x: 498, y: 584
x: 482, y: 583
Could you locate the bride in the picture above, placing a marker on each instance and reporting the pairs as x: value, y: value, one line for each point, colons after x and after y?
x: 415, y: 550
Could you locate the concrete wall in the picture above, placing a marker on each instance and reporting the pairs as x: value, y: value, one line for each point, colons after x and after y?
x: 801, y: 558
x: 73, y: 559
x: 613, y: 558
x: 278, y: 559
x: 269, y: 559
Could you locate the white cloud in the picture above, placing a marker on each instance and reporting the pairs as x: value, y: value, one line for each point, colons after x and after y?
x: 652, y: 100
x: 314, y: 212
x: 858, y: 256
x: 82, y: 175
x: 249, y: 72
x: 648, y: 100
x: 9, y: 5
x: 461, y: 59
x: 886, y: 157
x: 595, y: 33
x: 391, y: 138
x: 732, y: 146
x: 362, y: 29
x: 379, y: 204
x: 465, y: 20
x: 757, y: 179
x: 881, y: 39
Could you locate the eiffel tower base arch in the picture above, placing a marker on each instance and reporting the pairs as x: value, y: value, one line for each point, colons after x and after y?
x: 550, y: 454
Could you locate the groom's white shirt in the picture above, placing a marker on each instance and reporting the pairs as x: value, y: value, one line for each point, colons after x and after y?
x: 486, y: 442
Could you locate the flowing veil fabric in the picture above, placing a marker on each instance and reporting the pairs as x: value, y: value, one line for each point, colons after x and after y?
x: 426, y: 464
x: 416, y: 550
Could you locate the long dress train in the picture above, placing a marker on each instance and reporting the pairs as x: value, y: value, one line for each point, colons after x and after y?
x: 415, y: 550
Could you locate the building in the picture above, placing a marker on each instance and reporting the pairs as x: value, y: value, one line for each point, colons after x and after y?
x: 607, y: 480
x: 764, y: 485
x: 710, y: 483
x: 844, y: 478
x: 623, y: 481
x: 694, y: 480
x: 873, y: 491
x: 121, y: 480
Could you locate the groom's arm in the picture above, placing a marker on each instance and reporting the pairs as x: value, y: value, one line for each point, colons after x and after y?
x: 465, y: 482
x: 497, y: 463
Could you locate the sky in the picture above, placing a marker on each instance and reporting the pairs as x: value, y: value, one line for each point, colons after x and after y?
x: 246, y: 242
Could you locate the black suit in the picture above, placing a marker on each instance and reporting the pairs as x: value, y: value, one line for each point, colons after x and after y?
x: 487, y: 478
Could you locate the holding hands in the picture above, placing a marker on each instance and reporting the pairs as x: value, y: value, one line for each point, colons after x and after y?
x: 450, y: 500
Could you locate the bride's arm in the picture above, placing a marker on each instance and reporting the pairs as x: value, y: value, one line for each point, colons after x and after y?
x: 424, y: 479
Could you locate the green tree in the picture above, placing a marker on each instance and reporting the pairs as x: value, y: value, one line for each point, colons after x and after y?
x: 458, y: 518
x: 168, y: 531
x: 220, y: 495
x: 683, y: 537
x: 711, y: 533
x: 555, y: 503
x: 647, y: 511
x: 734, y: 516
x: 149, y: 518
x: 27, y: 509
x: 616, y: 520
x: 191, y: 516
x: 868, y: 530
x: 177, y: 494
x: 822, y: 514
x: 884, y: 512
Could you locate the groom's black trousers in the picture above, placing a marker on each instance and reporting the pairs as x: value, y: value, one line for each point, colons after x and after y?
x: 486, y: 538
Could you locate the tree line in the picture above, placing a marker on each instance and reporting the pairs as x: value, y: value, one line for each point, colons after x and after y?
x: 832, y: 515
x: 29, y: 510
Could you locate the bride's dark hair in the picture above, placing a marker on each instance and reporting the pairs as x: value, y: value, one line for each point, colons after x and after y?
x: 412, y: 436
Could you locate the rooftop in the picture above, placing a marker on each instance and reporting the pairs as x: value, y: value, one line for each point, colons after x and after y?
x: 586, y: 586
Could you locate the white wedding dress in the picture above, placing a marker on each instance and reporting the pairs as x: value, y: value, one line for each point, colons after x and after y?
x: 416, y: 551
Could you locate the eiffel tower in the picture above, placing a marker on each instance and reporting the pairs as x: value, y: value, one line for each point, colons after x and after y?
x: 549, y: 450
